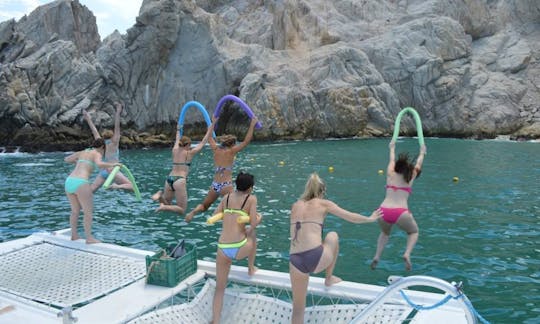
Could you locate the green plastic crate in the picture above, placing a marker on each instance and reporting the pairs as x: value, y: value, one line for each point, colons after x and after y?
x: 163, y: 270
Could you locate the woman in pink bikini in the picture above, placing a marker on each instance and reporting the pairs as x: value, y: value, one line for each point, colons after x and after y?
x: 308, y: 252
x: 400, y: 175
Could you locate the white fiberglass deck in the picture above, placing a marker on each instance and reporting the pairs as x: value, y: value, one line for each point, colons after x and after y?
x: 105, y: 283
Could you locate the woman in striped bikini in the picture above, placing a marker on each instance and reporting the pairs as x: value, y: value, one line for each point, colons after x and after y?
x: 224, y: 156
x: 400, y: 176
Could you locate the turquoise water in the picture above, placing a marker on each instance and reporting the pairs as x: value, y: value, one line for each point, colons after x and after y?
x: 483, y: 230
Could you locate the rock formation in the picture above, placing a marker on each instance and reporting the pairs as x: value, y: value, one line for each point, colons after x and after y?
x: 308, y: 69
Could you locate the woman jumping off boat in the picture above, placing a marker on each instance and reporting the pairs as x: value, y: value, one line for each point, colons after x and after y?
x: 399, y: 180
x: 112, y: 141
x: 308, y: 253
x: 224, y: 156
x: 176, y: 183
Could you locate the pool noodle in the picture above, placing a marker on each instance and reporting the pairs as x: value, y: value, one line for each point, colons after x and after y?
x: 183, y: 115
x: 419, y: 130
x: 242, y: 104
x: 124, y: 168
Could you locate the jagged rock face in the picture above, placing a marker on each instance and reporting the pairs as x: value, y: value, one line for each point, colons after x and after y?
x: 307, y: 68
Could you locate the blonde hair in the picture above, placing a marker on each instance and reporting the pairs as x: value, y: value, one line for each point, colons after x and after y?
x: 227, y: 140
x: 315, y: 187
x: 184, y: 141
x: 107, y: 134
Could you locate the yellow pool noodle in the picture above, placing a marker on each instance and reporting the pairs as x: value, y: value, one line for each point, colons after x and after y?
x: 214, y: 218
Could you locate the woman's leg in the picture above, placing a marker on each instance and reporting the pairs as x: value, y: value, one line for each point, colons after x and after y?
x: 329, y: 258
x: 223, y: 266
x: 74, y: 216
x: 98, y: 182
x: 121, y: 182
x: 211, y: 197
x: 85, y: 197
x: 407, y: 223
x: 250, y: 251
x: 299, y: 285
x: 386, y: 228
x: 179, y: 193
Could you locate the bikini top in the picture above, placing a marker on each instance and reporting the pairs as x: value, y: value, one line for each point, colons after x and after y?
x: 91, y: 163
x: 220, y: 169
x: 240, y: 211
x: 113, y: 156
x: 407, y: 189
x: 186, y: 163
x: 298, y: 225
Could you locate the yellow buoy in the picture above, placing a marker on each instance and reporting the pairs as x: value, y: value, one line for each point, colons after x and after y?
x: 330, y: 169
x: 281, y: 163
x: 455, y: 179
x: 380, y: 172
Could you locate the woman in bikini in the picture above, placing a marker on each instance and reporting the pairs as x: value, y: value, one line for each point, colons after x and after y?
x: 224, y: 156
x: 400, y: 176
x: 308, y: 253
x: 78, y: 189
x: 112, y: 155
x: 175, y: 184
x: 235, y: 242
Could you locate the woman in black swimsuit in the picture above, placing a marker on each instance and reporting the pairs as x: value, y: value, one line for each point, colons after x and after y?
x: 175, y: 184
x: 308, y: 253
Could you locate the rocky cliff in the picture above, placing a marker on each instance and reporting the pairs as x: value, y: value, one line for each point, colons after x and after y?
x: 308, y: 69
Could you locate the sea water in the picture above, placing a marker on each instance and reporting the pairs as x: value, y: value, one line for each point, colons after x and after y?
x: 476, y: 203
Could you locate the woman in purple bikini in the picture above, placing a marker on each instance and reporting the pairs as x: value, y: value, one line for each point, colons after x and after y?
x: 308, y: 253
x: 400, y: 176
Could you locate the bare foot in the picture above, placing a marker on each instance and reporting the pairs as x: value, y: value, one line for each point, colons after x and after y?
x: 252, y: 271
x: 75, y: 237
x: 157, y: 195
x: 407, y: 260
x: 160, y: 208
x: 374, y: 264
x: 92, y: 240
x: 332, y: 280
x: 189, y: 217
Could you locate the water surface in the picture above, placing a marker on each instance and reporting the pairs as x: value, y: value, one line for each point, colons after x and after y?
x: 482, y: 230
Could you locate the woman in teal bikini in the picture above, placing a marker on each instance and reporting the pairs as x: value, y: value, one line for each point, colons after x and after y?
x: 112, y: 155
x: 223, y: 160
x: 175, y: 184
x: 78, y: 188
x: 235, y: 242
x: 400, y: 176
x: 308, y: 253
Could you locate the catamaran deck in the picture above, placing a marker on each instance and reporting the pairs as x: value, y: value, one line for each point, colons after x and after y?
x: 47, y: 278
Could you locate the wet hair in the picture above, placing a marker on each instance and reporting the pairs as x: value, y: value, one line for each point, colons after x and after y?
x: 184, y: 141
x: 244, y: 181
x: 107, y: 134
x: 227, y: 140
x: 99, y: 143
x: 315, y: 187
x: 405, y: 167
